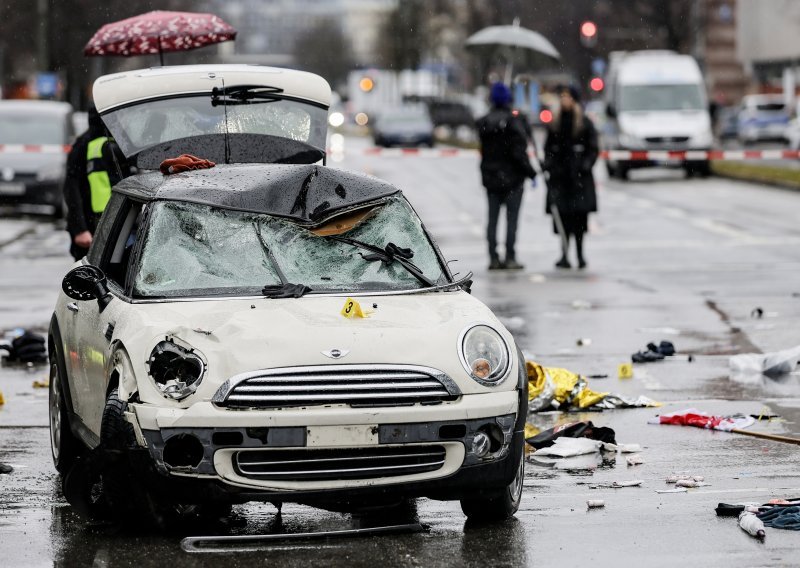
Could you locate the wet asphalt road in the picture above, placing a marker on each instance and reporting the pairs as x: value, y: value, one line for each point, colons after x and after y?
x: 669, y: 258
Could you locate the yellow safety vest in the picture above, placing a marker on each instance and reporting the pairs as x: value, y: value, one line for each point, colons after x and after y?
x: 99, y: 182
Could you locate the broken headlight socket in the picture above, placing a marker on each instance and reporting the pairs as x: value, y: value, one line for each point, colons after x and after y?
x: 484, y: 354
x: 488, y: 442
x: 176, y: 370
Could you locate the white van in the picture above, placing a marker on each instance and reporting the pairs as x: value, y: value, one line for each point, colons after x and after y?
x: 656, y: 100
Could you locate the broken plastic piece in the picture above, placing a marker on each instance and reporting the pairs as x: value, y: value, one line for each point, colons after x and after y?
x: 595, y: 503
x: 769, y: 364
x: 677, y: 490
x: 635, y: 459
x: 690, y: 483
x: 752, y: 525
x: 5, y: 468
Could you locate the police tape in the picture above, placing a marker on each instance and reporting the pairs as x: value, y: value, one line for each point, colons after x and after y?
x: 34, y: 148
x: 617, y: 155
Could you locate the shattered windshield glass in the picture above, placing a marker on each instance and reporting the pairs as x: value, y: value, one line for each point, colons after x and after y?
x: 200, y: 250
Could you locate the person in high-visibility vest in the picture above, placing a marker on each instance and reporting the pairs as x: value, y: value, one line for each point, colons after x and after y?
x: 94, y: 165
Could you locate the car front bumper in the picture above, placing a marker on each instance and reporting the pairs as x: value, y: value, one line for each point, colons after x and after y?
x: 348, y: 438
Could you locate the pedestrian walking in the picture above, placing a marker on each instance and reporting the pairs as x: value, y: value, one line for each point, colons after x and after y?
x: 570, y: 152
x: 504, y: 167
x: 94, y: 165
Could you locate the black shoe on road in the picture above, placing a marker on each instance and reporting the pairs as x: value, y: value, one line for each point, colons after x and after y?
x: 495, y: 264
x: 563, y: 263
x: 512, y: 264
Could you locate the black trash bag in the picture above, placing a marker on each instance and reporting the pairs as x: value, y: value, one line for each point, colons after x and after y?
x: 547, y: 438
x: 27, y: 348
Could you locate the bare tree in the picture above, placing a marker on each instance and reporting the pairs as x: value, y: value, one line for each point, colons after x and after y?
x: 325, y: 50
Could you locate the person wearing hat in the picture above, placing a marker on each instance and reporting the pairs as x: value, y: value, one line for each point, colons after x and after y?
x: 504, y: 167
x: 94, y: 165
x: 570, y: 151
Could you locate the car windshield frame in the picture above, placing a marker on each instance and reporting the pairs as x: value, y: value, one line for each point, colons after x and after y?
x: 422, y: 244
x: 140, y: 125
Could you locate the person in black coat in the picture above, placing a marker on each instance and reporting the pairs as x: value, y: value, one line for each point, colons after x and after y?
x: 570, y: 152
x: 504, y: 167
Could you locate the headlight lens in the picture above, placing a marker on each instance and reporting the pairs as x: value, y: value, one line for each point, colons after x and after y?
x: 484, y: 354
x: 176, y: 370
x: 630, y: 141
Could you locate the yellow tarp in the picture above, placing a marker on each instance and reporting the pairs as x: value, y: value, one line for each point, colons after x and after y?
x: 563, y: 382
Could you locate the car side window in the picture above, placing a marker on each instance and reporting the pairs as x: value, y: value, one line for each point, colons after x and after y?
x: 104, y: 229
x: 121, y: 242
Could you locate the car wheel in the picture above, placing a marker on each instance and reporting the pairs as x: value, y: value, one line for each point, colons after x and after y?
x: 63, y: 444
x: 611, y: 170
x: 500, y: 507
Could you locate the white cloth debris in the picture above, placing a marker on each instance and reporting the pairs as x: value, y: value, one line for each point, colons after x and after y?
x: 568, y: 447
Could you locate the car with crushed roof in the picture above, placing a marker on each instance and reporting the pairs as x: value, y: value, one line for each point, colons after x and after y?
x: 269, y: 328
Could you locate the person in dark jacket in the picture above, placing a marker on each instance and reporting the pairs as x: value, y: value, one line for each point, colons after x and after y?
x: 570, y: 152
x: 504, y: 167
x: 94, y: 165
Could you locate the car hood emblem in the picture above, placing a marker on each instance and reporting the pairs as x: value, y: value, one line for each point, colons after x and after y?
x: 336, y: 353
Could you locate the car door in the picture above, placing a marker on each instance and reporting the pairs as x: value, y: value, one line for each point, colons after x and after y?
x: 96, y: 329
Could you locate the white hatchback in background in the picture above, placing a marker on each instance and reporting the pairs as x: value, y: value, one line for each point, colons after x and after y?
x: 274, y: 331
x: 762, y: 117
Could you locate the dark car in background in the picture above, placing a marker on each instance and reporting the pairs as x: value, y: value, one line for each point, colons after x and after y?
x: 408, y: 125
x: 452, y: 119
x: 34, y: 140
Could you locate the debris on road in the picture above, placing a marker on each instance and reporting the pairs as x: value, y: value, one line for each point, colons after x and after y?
x: 569, y: 447
x: 654, y: 352
x: 551, y: 388
x: 24, y: 346
x: 571, y: 430
x: 2, y: 399
x: 770, y: 364
x: 757, y: 313
x: 583, y: 341
x: 676, y: 490
x: 751, y: 524
x: 581, y: 305
x: 617, y: 484
x: 698, y: 419
x: 690, y: 483
x: 781, y: 517
x: 675, y: 478
x: 635, y: 459
x: 595, y: 503
x: 5, y: 468
x: 41, y: 384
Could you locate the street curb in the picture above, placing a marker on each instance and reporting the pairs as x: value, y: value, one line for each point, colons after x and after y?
x: 755, y: 178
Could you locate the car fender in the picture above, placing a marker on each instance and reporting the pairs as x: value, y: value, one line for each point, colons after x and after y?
x: 119, y: 371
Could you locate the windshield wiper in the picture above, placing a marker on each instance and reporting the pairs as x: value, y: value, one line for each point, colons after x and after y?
x: 244, y: 95
x: 389, y: 254
x: 285, y: 289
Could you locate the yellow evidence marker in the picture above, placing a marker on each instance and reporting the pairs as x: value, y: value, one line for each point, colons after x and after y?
x: 352, y: 309
x: 625, y: 370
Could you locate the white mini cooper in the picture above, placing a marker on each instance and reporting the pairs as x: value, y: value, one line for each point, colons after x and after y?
x: 270, y: 328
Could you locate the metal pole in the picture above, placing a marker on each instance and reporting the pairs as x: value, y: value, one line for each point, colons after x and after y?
x: 43, y: 36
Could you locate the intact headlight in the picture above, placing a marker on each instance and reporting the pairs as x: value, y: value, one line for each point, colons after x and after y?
x: 631, y: 142
x: 176, y: 370
x: 484, y: 354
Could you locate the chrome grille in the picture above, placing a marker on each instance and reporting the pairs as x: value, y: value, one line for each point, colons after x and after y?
x: 355, y: 385
x: 338, y: 463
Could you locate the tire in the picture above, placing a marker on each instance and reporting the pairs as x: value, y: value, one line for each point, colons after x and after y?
x: 64, y: 447
x: 612, y: 171
x: 500, y: 507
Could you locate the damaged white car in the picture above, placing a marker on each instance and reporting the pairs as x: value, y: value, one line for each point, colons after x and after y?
x: 270, y: 328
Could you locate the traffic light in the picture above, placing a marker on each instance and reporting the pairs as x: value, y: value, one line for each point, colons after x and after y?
x: 597, y: 84
x: 588, y: 34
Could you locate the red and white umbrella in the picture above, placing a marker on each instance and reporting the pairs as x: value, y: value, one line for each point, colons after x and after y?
x: 159, y: 32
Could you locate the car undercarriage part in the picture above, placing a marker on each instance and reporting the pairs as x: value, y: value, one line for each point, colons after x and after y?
x: 183, y: 450
x: 249, y: 543
x: 176, y: 370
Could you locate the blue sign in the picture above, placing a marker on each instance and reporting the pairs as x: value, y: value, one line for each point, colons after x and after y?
x: 598, y: 67
x: 47, y: 84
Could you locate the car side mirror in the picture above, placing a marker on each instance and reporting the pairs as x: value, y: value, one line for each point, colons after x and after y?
x: 87, y: 283
x: 611, y: 111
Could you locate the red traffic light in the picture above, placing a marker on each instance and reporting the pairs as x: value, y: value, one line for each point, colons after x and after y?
x: 546, y: 116
x: 596, y: 84
x: 588, y: 29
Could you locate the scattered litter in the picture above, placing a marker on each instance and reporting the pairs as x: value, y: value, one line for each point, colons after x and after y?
x: 781, y: 517
x: 617, y: 484
x: 583, y: 341
x: 571, y: 430
x: 581, y: 305
x: 698, y: 419
x: 2, y: 399
x: 654, y: 352
x: 5, y: 468
x: 770, y: 364
x: 732, y: 509
x: 751, y: 524
x: 757, y: 313
x: 690, y: 358
x: 625, y: 370
x: 690, y: 483
x: 568, y: 447
x: 635, y: 459
x: 551, y: 388
x: 676, y: 490
x: 598, y: 376
x: 24, y: 346
x: 41, y: 384
x: 675, y: 478
x: 629, y: 448
x: 595, y: 503
x: 538, y: 278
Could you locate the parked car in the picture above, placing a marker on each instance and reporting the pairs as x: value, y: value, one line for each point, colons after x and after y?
x: 762, y: 117
x: 408, y: 125
x: 204, y: 353
x: 727, y: 126
x: 34, y: 140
